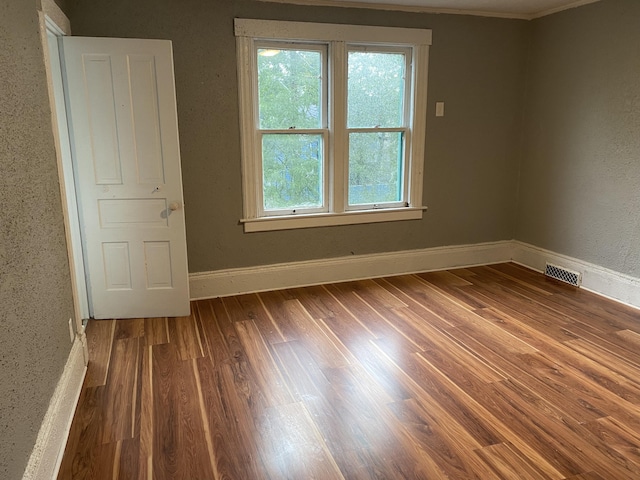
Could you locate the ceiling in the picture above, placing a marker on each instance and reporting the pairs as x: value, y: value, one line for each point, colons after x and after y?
x: 500, y: 8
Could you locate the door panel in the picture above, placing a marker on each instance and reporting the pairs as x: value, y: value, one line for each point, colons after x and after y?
x: 122, y: 110
x: 133, y: 213
x: 158, y: 261
x: 148, y: 146
x: 117, y: 267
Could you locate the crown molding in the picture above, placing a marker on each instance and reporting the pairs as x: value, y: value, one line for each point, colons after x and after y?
x: 551, y: 11
x: 401, y: 8
x: 432, y: 10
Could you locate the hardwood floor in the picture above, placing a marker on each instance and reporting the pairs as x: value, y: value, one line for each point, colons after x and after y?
x: 480, y: 373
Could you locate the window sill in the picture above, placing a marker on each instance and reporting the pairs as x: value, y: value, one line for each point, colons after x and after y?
x: 265, y: 224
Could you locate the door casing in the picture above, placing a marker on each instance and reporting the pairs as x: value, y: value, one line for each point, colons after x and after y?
x: 53, y: 25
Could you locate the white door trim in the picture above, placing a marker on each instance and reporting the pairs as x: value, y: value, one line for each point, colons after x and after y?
x: 54, y: 24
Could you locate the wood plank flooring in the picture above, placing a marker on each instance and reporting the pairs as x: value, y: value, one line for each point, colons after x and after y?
x: 480, y: 373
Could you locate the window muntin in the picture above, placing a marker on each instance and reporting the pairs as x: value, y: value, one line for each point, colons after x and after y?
x: 403, y: 153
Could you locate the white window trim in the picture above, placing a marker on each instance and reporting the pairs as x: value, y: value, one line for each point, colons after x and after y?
x: 247, y: 31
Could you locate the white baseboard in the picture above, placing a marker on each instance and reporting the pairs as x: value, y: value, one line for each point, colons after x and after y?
x: 47, y: 453
x: 603, y: 281
x: 299, y: 274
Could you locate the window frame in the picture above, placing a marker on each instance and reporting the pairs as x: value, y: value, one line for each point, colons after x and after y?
x: 405, y: 128
x: 338, y: 38
x: 323, y: 130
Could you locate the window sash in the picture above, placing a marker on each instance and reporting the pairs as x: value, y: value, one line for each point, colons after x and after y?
x: 321, y: 48
x: 408, y: 76
x: 403, y: 178
x: 324, y: 207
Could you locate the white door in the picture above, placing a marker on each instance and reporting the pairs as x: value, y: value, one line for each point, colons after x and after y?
x: 124, y: 136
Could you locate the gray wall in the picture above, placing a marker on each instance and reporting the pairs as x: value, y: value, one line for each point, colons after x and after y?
x: 35, y: 289
x: 580, y: 178
x: 477, y: 67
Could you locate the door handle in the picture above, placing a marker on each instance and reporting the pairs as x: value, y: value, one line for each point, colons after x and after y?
x: 174, y: 206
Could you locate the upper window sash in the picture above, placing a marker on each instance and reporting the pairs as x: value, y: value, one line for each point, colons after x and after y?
x: 276, y: 48
x: 408, y: 54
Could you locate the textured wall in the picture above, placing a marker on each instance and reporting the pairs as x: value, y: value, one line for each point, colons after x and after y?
x: 35, y: 291
x: 477, y: 67
x: 580, y: 178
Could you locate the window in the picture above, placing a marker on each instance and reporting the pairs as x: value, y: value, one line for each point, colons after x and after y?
x: 332, y: 123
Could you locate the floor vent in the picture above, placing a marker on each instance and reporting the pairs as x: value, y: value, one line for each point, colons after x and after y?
x: 564, y: 275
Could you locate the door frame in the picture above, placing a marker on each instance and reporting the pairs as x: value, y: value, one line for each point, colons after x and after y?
x: 54, y: 24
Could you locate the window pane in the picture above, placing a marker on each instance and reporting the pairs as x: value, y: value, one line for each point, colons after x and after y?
x: 289, y: 88
x: 375, y: 89
x: 375, y: 167
x: 292, y: 171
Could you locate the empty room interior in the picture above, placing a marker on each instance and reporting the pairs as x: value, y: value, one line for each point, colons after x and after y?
x: 476, y: 316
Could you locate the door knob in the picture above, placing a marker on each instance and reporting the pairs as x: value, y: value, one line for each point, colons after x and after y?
x: 174, y: 206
